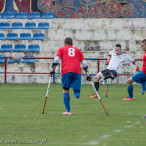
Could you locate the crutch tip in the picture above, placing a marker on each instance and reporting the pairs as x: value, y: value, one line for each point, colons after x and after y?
x: 107, y: 114
x: 106, y: 95
x: 42, y: 112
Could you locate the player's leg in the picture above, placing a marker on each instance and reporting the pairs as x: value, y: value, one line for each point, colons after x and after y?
x: 143, y: 89
x: 103, y: 74
x: 66, y: 99
x: 96, y: 83
x: 77, y: 93
x: 139, y: 77
x: 66, y: 82
x: 130, y: 89
x: 76, y: 84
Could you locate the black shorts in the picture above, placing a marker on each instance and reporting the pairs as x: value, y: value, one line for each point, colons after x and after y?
x: 109, y: 74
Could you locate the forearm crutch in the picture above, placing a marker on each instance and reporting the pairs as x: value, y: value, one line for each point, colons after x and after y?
x: 47, y: 93
x: 99, y: 98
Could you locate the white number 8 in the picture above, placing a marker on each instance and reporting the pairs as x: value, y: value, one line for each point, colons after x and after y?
x: 71, y: 52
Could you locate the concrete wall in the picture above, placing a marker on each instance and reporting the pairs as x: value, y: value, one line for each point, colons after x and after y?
x: 95, y: 37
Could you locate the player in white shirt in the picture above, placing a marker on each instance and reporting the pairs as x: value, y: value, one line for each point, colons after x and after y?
x: 115, y: 61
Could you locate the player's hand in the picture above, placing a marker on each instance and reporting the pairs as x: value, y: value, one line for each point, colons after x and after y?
x: 137, y: 69
x: 88, y: 78
x: 52, y: 72
x: 107, y: 62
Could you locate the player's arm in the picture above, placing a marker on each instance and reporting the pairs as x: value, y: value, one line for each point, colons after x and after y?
x: 85, y: 67
x: 137, y: 67
x: 55, y: 63
x: 108, y: 59
x: 130, y: 59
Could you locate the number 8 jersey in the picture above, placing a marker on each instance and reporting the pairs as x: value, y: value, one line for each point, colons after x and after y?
x: 71, y: 58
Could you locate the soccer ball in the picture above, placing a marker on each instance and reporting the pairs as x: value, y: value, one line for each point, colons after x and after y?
x: 144, y: 116
x: 16, y: 57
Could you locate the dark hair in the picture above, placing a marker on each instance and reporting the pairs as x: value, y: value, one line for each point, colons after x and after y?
x: 68, y: 41
x: 118, y: 45
x: 144, y: 41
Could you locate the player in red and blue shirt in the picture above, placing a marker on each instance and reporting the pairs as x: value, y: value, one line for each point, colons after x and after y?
x: 71, y: 57
x: 139, y: 77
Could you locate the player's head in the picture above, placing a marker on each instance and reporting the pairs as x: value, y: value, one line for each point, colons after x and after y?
x: 143, y: 45
x: 68, y: 41
x: 118, y: 49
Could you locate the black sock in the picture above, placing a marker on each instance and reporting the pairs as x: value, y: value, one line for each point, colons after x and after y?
x: 96, y: 84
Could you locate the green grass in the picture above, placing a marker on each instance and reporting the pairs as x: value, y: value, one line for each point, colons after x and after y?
x: 22, y: 121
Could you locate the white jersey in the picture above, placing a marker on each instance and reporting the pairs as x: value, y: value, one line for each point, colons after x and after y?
x: 117, y: 61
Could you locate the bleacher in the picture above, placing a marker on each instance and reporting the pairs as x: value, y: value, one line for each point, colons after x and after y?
x: 21, y: 35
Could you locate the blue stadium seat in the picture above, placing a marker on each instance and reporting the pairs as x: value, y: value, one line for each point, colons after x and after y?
x: 19, y: 48
x: 28, y: 60
x: 2, y: 36
x: 0, y: 15
x: 11, y: 36
x: 33, y: 48
x: 34, y: 15
x: 43, y: 25
x: 4, y: 25
x: 38, y: 36
x: 17, y: 25
x: 30, y: 25
x: 47, y: 15
x: 8, y: 15
x: 2, y: 58
x: 21, y: 15
x: 25, y: 36
x: 6, y: 48
x: 11, y: 60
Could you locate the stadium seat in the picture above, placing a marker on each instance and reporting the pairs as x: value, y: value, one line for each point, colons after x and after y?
x: 8, y: 15
x: 4, y: 25
x: 28, y: 60
x: 25, y: 36
x: 11, y: 36
x: 43, y: 25
x: 17, y: 25
x: 21, y: 15
x: 19, y: 48
x: 34, y: 15
x: 30, y: 25
x: 0, y: 15
x: 47, y: 15
x: 2, y: 36
x: 6, y: 48
x: 33, y: 48
x: 2, y: 58
x: 38, y: 36
x: 11, y: 60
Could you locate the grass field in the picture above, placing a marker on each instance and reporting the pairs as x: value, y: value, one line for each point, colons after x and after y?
x: 22, y: 121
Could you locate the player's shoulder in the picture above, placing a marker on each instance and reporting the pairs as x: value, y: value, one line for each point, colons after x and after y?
x: 112, y: 52
x: 124, y: 54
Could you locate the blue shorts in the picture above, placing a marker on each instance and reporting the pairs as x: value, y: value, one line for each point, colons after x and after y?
x: 139, y: 77
x: 72, y: 80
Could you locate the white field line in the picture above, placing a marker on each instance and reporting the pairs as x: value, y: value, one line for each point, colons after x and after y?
x: 118, y: 130
x: 105, y: 137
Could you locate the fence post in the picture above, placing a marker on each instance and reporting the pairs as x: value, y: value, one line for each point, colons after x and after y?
x: 5, y: 74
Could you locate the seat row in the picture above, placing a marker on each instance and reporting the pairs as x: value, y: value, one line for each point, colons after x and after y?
x: 25, y: 15
x: 20, y: 48
x: 10, y: 60
x: 28, y: 25
x: 23, y: 36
